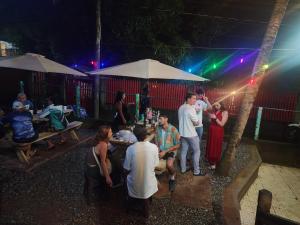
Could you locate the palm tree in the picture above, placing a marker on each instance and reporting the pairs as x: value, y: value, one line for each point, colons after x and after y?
x: 252, y: 90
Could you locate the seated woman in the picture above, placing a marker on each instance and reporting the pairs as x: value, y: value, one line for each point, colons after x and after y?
x: 98, y: 166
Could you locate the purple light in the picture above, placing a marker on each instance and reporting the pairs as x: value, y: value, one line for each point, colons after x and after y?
x: 75, y: 65
x: 242, y: 60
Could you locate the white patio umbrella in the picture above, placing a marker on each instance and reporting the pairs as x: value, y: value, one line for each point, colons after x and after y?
x: 148, y: 69
x: 38, y: 63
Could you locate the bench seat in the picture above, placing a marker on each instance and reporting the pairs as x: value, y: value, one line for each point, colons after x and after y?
x: 23, y: 150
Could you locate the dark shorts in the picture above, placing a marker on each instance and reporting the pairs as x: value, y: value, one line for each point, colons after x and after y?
x: 169, y: 155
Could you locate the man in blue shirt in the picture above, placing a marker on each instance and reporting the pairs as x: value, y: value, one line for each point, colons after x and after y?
x: 21, y: 97
x: 21, y: 122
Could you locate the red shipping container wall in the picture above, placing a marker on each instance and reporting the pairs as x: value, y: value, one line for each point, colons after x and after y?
x: 171, y: 95
x: 113, y: 85
x: 86, y: 93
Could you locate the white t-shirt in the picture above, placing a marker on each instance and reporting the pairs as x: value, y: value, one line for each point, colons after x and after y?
x: 200, y: 106
x: 141, y: 160
x: 187, y: 117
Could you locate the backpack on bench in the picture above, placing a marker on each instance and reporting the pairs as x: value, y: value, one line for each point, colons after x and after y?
x: 57, y: 120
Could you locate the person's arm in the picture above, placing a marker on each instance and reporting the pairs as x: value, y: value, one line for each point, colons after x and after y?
x: 176, y: 140
x: 30, y: 105
x: 120, y: 111
x: 208, y: 105
x: 45, y: 113
x: 156, y: 137
x: 194, y: 117
x: 224, y: 119
x: 102, y: 147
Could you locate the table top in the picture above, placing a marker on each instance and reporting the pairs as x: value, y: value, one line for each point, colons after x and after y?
x: 36, y: 118
x: 117, y: 141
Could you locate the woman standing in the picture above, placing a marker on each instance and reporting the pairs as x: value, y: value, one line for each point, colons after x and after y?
x: 121, y: 117
x: 218, y: 117
x: 98, y: 171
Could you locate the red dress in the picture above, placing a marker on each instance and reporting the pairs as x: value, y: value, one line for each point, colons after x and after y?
x: 215, y: 140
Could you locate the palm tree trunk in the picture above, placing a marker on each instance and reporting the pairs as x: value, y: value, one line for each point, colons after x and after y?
x: 252, y: 90
x: 98, y: 41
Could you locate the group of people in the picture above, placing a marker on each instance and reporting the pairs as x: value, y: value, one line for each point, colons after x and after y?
x: 143, y: 157
x: 21, y: 121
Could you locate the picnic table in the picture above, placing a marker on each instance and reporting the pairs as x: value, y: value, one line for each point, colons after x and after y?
x: 37, y: 119
x: 24, y: 151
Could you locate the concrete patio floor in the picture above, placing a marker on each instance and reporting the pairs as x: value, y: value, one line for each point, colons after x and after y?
x: 284, y: 183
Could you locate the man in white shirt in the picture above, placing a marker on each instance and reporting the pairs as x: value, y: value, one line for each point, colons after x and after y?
x: 202, y: 104
x: 189, y: 139
x: 140, y: 162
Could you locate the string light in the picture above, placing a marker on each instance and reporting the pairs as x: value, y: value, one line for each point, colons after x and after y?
x: 266, y: 66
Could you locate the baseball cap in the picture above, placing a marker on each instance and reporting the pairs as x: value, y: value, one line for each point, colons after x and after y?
x: 17, y: 105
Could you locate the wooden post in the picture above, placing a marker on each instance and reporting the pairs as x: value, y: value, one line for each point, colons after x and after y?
x: 98, y: 59
x: 264, y: 203
x: 257, y: 125
x: 137, y: 107
x: 21, y: 86
x: 78, y: 100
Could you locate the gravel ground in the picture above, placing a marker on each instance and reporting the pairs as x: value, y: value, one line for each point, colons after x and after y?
x: 52, y: 194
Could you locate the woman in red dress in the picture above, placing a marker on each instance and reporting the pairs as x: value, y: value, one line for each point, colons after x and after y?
x: 218, y: 117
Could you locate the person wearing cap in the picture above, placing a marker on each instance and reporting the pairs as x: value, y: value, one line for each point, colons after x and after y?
x: 21, y: 97
x: 20, y: 121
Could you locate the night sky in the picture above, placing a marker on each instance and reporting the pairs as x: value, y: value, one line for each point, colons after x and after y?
x: 189, y: 34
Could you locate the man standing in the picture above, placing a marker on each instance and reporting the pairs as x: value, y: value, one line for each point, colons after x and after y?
x: 189, y: 139
x: 202, y: 104
x: 167, y: 139
x: 140, y: 162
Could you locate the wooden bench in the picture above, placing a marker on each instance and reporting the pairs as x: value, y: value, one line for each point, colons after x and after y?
x: 24, y: 151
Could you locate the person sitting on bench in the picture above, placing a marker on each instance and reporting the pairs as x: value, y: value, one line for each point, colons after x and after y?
x: 167, y: 139
x: 98, y: 172
x: 21, y: 97
x: 21, y: 124
x: 140, y: 162
x: 57, y: 119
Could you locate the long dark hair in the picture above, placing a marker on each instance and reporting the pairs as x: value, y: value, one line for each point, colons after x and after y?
x: 119, y: 96
x: 102, y: 134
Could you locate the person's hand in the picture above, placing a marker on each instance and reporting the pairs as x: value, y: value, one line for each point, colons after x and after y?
x: 212, y: 116
x: 108, y: 181
x: 162, y: 154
